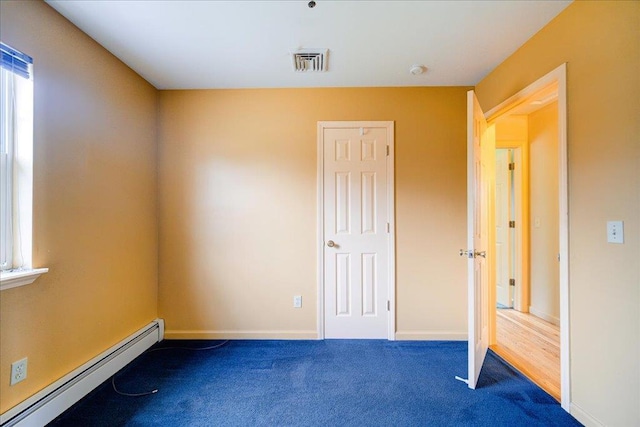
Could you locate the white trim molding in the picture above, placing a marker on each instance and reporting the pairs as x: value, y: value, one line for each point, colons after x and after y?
x: 432, y: 335
x: 584, y: 417
x: 239, y: 335
x: 13, y: 279
x: 544, y: 316
x: 53, y: 400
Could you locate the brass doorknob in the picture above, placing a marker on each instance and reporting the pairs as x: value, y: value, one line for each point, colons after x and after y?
x: 331, y: 243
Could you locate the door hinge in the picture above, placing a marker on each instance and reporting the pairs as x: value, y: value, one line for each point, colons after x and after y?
x: 388, y: 227
x: 512, y: 282
x: 512, y: 166
x: 512, y: 224
x: 388, y: 305
x: 387, y: 150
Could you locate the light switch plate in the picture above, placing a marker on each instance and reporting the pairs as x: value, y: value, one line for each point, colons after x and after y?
x: 615, y: 232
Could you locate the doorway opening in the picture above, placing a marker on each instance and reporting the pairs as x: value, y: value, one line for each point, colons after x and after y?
x: 530, y: 312
x: 548, y: 95
x: 527, y: 306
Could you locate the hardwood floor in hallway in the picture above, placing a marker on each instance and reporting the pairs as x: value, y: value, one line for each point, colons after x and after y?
x: 532, y: 346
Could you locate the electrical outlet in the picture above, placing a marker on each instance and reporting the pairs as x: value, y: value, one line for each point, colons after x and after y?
x: 18, y: 371
x: 297, y: 301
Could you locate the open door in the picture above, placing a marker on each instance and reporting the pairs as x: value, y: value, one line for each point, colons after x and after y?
x: 480, y: 155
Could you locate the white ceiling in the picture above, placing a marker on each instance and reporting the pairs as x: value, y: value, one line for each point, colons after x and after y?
x: 246, y: 44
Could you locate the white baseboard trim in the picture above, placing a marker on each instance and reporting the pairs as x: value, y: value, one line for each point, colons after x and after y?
x: 544, y: 316
x: 53, y: 400
x: 584, y: 417
x: 303, y: 335
x: 240, y: 335
x: 431, y: 336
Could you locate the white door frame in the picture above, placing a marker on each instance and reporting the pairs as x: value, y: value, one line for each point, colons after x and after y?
x: 389, y: 125
x: 559, y: 76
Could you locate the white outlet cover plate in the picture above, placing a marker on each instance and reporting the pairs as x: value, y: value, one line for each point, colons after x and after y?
x: 18, y: 371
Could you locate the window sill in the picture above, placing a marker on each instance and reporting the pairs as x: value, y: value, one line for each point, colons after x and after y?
x: 13, y: 279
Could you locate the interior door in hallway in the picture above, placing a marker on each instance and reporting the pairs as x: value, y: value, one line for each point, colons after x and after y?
x: 356, y: 231
x: 504, y: 264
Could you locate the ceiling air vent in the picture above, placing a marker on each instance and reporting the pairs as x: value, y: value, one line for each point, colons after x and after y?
x: 310, y: 59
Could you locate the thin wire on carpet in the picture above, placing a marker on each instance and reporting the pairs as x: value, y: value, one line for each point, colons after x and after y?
x: 154, y: 391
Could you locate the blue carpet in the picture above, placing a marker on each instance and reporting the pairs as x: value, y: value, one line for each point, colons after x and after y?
x: 316, y: 383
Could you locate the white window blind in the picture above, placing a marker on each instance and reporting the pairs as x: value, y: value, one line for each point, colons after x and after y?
x: 15, y: 74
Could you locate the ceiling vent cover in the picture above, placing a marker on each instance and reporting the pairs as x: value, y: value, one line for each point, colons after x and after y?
x: 310, y: 59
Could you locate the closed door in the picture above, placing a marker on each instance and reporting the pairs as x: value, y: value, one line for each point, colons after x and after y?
x: 504, y: 266
x: 356, y: 230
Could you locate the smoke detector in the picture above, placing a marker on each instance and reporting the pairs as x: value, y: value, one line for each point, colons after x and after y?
x: 417, y: 69
x: 310, y: 59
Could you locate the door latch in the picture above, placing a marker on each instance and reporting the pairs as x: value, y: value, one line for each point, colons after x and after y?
x: 468, y: 254
x: 473, y: 254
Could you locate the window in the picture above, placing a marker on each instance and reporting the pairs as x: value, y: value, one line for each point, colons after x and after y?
x: 16, y: 168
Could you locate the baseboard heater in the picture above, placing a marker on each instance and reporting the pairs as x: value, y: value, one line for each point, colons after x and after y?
x: 52, y: 401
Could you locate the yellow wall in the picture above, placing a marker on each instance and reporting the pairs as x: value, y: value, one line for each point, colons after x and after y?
x: 230, y: 261
x: 600, y: 41
x: 95, y: 224
x: 512, y: 131
x: 237, y: 178
x: 544, y: 225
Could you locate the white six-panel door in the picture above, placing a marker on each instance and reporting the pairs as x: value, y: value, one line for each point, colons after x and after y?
x: 356, y: 229
x: 478, y: 186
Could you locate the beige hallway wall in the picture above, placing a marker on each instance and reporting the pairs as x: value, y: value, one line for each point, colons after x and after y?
x: 600, y: 42
x: 94, y: 203
x: 544, y: 225
x: 238, y: 208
